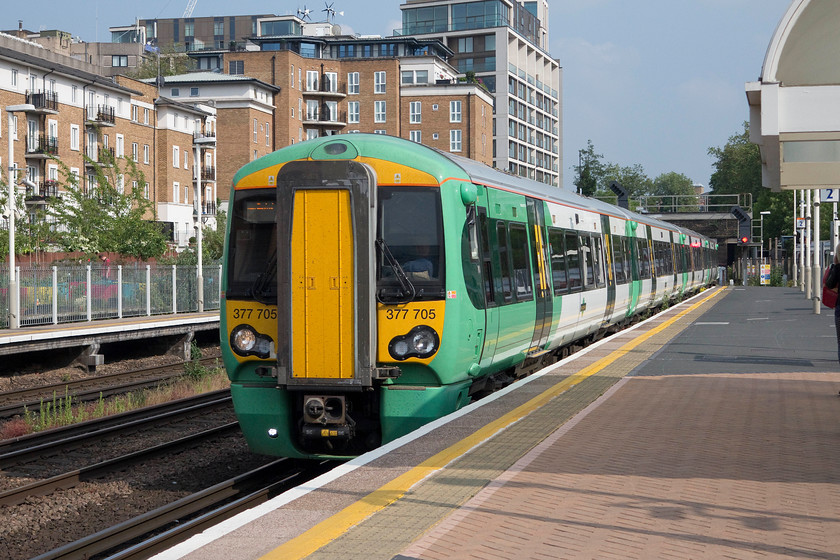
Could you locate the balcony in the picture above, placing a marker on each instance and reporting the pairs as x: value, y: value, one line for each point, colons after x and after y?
x: 325, y: 118
x: 101, y: 115
x: 45, y: 102
x: 41, y: 147
x: 208, y: 173
x: 204, y: 138
x: 324, y: 88
x: 99, y: 155
x: 208, y: 209
x: 42, y: 192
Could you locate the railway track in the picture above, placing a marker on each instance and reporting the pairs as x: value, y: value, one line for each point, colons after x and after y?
x: 164, y: 527
x: 30, y: 447
x: 92, y: 388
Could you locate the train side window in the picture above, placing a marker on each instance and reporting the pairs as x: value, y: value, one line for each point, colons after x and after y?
x: 573, y: 260
x: 618, y: 259
x: 486, y: 259
x: 559, y: 276
x: 597, y: 261
x: 521, y: 262
x: 501, y: 232
x: 644, y: 259
x: 586, y: 266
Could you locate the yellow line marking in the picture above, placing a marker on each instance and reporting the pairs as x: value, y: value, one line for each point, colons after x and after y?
x: 333, y: 527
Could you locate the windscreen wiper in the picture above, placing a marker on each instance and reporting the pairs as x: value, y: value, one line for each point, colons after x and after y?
x: 260, y: 289
x: 407, y: 292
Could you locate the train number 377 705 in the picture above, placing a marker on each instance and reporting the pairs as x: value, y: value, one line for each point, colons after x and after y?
x: 396, y: 314
x: 262, y: 313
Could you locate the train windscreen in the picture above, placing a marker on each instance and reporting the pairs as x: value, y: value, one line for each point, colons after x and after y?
x: 410, y: 259
x: 252, y: 258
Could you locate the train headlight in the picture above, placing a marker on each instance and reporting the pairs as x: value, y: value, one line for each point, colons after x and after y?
x: 246, y: 341
x: 420, y: 342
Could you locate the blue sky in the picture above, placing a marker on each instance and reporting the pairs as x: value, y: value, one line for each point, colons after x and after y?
x: 650, y: 82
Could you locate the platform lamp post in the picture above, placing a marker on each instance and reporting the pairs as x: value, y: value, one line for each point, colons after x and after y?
x: 761, y: 232
x: 14, y: 294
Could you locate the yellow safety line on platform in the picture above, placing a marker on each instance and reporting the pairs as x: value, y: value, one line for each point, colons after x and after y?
x: 333, y: 527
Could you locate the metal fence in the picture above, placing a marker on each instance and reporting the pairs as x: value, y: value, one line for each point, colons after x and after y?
x: 76, y: 293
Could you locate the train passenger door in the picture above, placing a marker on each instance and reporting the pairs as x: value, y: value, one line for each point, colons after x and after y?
x: 542, y: 289
x: 635, y: 282
x: 610, y: 307
x: 492, y: 286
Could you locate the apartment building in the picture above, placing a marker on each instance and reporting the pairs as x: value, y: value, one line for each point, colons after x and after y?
x: 66, y: 117
x: 504, y: 44
x: 244, y: 116
x: 328, y: 85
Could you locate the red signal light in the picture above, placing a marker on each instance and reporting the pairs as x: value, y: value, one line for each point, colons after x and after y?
x: 744, y: 240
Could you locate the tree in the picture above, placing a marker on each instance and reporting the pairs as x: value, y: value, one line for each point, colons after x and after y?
x: 737, y: 166
x: 590, y: 170
x: 632, y: 177
x: 101, y: 216
x: 168, y: 62
x: 672, y: 183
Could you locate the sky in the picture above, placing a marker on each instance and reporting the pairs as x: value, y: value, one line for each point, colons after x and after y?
x: 649, y: 82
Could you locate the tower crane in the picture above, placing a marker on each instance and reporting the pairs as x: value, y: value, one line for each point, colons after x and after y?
x: 189, y: 9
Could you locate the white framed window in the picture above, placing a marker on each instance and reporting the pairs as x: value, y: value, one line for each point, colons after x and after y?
x: 379, y: 82
x: 415, y: 136
x: 120, y: 148
x: 176, y: 192
x: 331, y: 108
x: 145, y: 115
x: 74, y: 95
x: 186, y: 159
x: 267, y: 134
x: 380, y: 131
x: 135, y: 151
x: 255, y: 131
x: 352, y: 111
x: 74, y: 137
x: 311, y: 80
x: 311, y: 110
x: 454, y: 111
x: 135, y: 113
x: 353, y: 83
x: 414, y: 112
x: 14, y: 77
x: 330, y: 81
x: 145, y: 153
x: 186, y: 194
x: 292, y: 78
x: 379, y: 111
x: 311, y: 133
x: 176, y: 156
x: 121, y: 183
x: 146, y: 189
x: 455, y: 140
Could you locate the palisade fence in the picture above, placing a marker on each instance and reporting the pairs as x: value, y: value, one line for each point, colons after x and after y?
x: 77, y: 293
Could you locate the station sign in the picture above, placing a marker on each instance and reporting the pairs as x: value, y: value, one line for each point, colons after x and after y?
x: 829, y: 195
x: 800, y: 223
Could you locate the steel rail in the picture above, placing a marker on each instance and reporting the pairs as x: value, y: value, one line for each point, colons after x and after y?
x: 40, y: 443
x: 16, y: 496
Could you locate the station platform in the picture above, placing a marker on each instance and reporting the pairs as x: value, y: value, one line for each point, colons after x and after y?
x: 711, y: 430
x: 103, y: 331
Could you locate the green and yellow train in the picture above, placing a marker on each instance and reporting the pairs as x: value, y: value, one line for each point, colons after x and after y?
x: 372, y: 284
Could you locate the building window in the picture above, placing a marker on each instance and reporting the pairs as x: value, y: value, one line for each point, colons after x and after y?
x: 311, y: 133
x: 330, y: 81
x: 379, y: 82
x: 175, y: 92
x: 120, y: 148
x: 145, y: 116
x: 414, y: 112
x: 255, y: 131
x: 176, y: 192
x: 311, y: 80
x: 353, y: 112
x: 135, y: 113
x: 379, y: 112
x: 135, y: 151
x: 380, y: 131
x: 267, y: 134
x: 186, y: 194
x: 186, y: 159
x: 353, y: 83
x: 455, y: 140
x: 145, y: 153
x: 74, y: 94
x: 454, y: 111
x: 236, y: 67
x: 311, y: 110
x: 414, y: 136
x: 120, y: 60
x: 14, y: 77
x: 331, y: 108
x: 193, y: 92
x: 74, y: 137
x: 176, y: 156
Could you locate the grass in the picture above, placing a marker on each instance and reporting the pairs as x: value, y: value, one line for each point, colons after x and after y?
x: 63, y: 410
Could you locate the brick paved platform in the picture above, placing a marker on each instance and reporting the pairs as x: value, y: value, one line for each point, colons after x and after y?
x: 711, y: 431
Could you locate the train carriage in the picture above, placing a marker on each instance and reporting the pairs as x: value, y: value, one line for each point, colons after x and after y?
x: 372, y: 284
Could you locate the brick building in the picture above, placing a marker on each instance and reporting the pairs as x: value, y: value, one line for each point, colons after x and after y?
x: 68, y: 116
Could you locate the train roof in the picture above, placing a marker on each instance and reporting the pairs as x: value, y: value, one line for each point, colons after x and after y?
x: 426, y: 158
